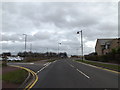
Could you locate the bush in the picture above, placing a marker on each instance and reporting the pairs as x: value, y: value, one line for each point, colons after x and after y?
x: 104, y: 58
x: 113, y: 56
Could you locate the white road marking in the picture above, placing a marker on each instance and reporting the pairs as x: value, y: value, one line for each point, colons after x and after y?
x: 79, y: 71
x: 54, y: 61
x: 71, y: 65
x: 83, y: 73
x: 100, y: 68
x: 47, y: 64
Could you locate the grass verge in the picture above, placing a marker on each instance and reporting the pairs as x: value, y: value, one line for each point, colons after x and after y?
x: 51, y: 60
x: 108, y: 66
x: 16, y: 77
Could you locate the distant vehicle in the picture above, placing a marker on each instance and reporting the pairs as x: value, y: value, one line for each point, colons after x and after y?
x: 0, y: 58
x: 15, y: 58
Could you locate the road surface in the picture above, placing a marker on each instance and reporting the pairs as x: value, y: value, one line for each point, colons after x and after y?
x: 67, y: 73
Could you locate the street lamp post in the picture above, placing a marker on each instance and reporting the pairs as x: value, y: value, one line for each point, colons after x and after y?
x: 25, y: 40
x: 47, y: 52
x: 78, y: 32
x: 58, y: 48
x: 77, y: 52
x: 30, y: 47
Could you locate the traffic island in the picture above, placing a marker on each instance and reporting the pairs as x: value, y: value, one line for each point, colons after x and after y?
x: 13, y: 77
x: 18, y: 77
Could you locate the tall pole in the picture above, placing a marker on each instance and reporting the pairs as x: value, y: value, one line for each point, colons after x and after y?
x: 58, y: 48
x: 47, y: 52
x: 81, y: 43
x: 77, y: 52
x: 47, y: 49
x: 25, y: 40
x: 30, y: 47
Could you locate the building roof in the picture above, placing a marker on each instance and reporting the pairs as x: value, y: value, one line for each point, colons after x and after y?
x: 104, y: 41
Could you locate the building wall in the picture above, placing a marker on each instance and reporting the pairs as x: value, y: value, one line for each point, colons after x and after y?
x: 114, y: 44
x: 98, y: 48
x: 105, y: 51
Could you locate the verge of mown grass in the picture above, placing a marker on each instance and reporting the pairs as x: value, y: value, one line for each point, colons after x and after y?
x: 17, y: 76
x: 109, y: 66
x: 51, y: 60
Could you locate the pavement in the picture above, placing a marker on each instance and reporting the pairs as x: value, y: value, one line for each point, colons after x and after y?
x: 67, y: 73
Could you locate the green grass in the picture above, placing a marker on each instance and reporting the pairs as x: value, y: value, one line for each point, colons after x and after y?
x: 51, y: 60
x: 109, y: 66
x: 17, y: 76
x: 3, y: 65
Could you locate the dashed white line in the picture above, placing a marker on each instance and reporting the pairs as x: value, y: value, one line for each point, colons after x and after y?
x: 79, y: 71
x: 47, y: 64
x: 54, y: 61
x: 71, y: 65
x: 83, y: 73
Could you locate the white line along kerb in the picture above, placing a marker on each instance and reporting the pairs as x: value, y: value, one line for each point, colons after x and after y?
x: 71, y: 65
x: 54, y: 61
x: 47, y: 64
x: 82, y: 73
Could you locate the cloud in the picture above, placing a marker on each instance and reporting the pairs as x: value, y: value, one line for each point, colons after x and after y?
x: 47, y: 24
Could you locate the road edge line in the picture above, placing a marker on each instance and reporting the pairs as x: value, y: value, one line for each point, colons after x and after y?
x: 83, y: 73
x: 98, y: 67
x: 43, y: 68
x: 78, y: 70
x: 32, y: 83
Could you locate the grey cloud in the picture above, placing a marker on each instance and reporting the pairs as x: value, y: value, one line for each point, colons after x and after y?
x: 43, y: 35
x: 49, y: 23
x: 11, y: 37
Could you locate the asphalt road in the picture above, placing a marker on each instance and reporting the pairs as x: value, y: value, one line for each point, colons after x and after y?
x: 67, y: 73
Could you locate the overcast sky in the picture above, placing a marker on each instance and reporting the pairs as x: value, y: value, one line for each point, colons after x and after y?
x: 50, y: 23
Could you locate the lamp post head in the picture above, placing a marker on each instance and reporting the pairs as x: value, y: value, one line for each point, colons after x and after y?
x: 25, y: 34
x: 77, y: 32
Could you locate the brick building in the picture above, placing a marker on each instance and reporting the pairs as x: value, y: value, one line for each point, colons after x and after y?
x: 104, y: 46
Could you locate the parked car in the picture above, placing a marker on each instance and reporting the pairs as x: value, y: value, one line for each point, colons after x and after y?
x: 14, y: 58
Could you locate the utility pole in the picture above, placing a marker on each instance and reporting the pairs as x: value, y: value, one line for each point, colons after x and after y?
x: 77, y: 52
x: 30, y: 47
x: 47, y: 49
x: 78, y: 32
x: 25, y: 40
x: 58, y: 48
